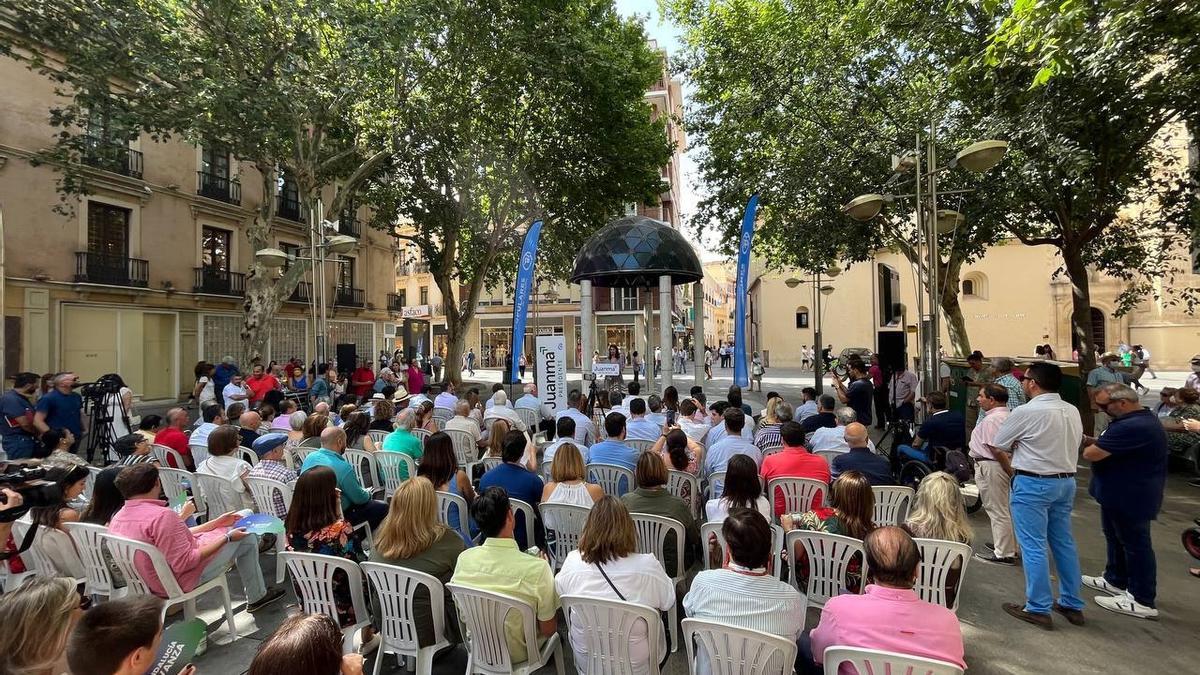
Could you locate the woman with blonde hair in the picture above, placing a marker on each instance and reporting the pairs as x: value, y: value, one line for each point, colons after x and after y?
x: 411, y: 537
x: 568, y: 481
x: 938, y: 511
x: 606, y: 565
x: 38, y: 617
x: 496, y: 433
x: 381, y: 416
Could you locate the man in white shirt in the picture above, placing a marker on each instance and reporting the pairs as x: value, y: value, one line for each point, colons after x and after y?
x: 585, y: 431
x: 565, y: 433
x: 808, y: 407
x: 655, y: 414
x: 716, y: 457
x: 902, y: 392
x: 695, y: 430
x: 635, y: 390
x: 462, y: 422
x: 491, y: 402
x: 618, y: 404
x: 446, y: 399
x: 213, y: 417
x: 719, y: 429
x: 639, y: 428
x: 833, y: 439
x: 1044, y: 436
x: 501, y: 410
x: 530, y: 401
x: 235, y: 391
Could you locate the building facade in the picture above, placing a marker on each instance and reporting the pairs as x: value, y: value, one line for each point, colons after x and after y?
x: 144, y: 275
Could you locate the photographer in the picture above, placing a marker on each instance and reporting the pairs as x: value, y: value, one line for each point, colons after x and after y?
x: 61, y: 408
x: 12, y: 502
x: 18, y: 432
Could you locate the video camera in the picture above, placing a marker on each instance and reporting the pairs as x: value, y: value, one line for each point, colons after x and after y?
x: 100, y: 389
x: 30, y: 482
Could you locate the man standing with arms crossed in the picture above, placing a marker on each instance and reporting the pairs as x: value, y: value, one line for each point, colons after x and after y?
x: 1044, y: 435
x: 993, y: 474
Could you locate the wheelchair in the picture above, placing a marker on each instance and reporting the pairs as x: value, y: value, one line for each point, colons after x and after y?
x: 909, y: 471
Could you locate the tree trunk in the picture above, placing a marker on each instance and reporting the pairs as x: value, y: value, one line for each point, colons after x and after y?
x: 956, y: 325
x: 1081, y: 321
x: 458, y: 318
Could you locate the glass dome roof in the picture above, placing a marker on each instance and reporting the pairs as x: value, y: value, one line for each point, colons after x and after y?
x: 634, y: 252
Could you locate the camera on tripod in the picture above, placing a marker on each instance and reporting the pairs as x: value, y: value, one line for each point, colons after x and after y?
x: 30, y: 482
x: 101, y: 388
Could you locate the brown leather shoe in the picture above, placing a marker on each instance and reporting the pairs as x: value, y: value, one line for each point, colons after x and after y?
x: 1042, y: 621
x: 1075, y: 616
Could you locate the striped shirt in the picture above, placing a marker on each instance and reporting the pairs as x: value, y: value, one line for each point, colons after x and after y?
x: 768, y: 436
x: 757, y: 602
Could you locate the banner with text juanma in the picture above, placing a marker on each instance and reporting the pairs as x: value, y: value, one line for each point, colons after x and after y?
x: 550, y: 368
x: 521, y: 293
x: 740, y: 375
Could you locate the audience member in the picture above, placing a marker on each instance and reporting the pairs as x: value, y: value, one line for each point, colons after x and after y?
x: 860, y: 456
x: 499, y: 565
x: 993, y: 474
x: 358, y: 432
x: 741, y: 490
x: 412, y: 537
x: 149, y: 427
x: 888, y: 616
x: 717, y: 454
x: 585, y: 431
x: 823, y: 417
x: 720, y: 430
x: 943, y: 428
x: 543, y: 413
x: 357, y: 505
x: 496, y: 432
x: 500, y: 409
x: 564, y: 429
x: 1045, y: 435
x: 270, y: 449
x: 52, y: 539
x: 173, y: 437
x: 462, y: 422
x: 213, y: 417
x: 850, y: 512
x: 767, y: 436
x: 446, y: 399
x: 38, y: 618
x: 282, y: 421
x: 606, y: 565
x: 133, y: 449
x: 833, y: 439
x: 425, y: 416
x: 613, y: 450
x: 792, y: 462
x: 516, y: 479
x: 652, y: 497
x: 568, y: 482
x: 225, y: 461
x: 655, y: 414
x: 403, y: 440
x: 195, y: 555
x: 440, y: 466
x: 248, y: 423
x: 118, y: 637
x: 306, y: 643
x: 1129, y: 472
x: 638, y: 427
x: 743, y: 593
x: 808, y: 404
x: 689, y: 421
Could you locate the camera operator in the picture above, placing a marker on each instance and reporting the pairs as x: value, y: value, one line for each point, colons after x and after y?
x: 12, y: 500
x: 61, y: 408
x: 17, y: 431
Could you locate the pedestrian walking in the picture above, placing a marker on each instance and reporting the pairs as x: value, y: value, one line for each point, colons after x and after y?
x: 708, y: 359
x: 756, y: 372
x: 521, y: 365
x: 1044, y: 435
x: 805, y: 357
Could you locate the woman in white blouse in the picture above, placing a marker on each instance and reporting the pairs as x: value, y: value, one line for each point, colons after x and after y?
x: 741, y: 489
x: 609, y: 541
x: 567, y: 480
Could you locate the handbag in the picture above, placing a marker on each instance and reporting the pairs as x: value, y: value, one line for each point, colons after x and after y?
x: 662, y: 615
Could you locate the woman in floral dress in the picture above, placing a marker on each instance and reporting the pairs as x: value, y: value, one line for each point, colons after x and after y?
x: 849, y: 513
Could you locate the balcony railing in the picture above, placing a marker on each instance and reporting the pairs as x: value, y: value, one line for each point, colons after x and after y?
x: 219, y: 281
x: 348, y: 224
x: 302, y: 292
x: 395, y: 302
x: 221, y: 188
x: 421, y: 268
x: 112, y: 156
x: 96, y: 268
x: 289, y: 207
x: 349, y: 297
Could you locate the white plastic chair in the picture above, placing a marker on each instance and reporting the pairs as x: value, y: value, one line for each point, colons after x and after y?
x: 311, y: 443
x: 91, y: 551
x: 125, y: 553
x: 489, y: 463
x: 524, y: 510
x: 799, y: 494
x: 483, y: 613
x: 313, y: 575
x: 713, y: 529
x: 529, y: 416
x: 608, y: 626
x: 652, y: 536
x: 390, y: 464
x: 464, y: 449
x: 199, y: 453
x: 829, y: 455
x: 176, y: 482
x: 377, y: 437
x: 677, y: 481
x: 739, y: 651
x: 422, y: 435
x: 247, y: 455
x: 829, y: 557
x: 565, y: 522
x: 441, y: 416
x: 263, y: 491
x: 395, y: 588
x: 610, y: 478
x: 641, y: 445
x: 168, y: 457
x: 892, y: 503
x: 37, y: 563
x: 366, y: 468
x: 772, y: 448
x: 715, y: 485
x: 217, y: 493
x: 446, y: 500
x: 877, y: 661
x: 544, y: 471
x: 938, y: 558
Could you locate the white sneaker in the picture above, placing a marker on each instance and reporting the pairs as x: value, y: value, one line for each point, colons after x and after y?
x: 1101, y: 584
x: 1123, y: 604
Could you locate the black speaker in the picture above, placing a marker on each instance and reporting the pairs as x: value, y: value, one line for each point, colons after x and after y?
x: 892, y: 349
x: 347, y: 357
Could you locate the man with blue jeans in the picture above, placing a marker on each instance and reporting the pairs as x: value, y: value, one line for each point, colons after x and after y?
x: 1044, y: 437
x: 1129, y: 471
x: 943, y: 428
x: 17, y: 429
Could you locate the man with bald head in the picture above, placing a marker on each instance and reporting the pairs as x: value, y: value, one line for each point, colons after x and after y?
x: 833, y: 439
x: 249, y: 422
x: 888, y: 615
x: 172, y: 436
x: 862, y: 458
x: 357, y: 505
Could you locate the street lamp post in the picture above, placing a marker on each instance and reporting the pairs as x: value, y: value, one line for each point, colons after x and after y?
x: 818, y: 289
x: 977, y: 157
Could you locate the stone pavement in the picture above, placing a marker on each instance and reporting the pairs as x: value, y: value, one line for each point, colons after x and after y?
x: 995, y: 643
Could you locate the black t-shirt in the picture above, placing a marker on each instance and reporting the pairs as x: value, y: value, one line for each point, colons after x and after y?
x: 1134, y: 474
x: 858, y: 395
x: 947, y: 429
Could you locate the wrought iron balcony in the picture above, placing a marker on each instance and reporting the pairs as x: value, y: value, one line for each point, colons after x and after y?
x: 302, y: 292
x: 97, y: 268
x: 349, y: 297
x: 219, y: 187
x: 348, y: 224
x: 395, y: 302
x: 112, y: 156
x: 289, y: 208
x: 219, y: 281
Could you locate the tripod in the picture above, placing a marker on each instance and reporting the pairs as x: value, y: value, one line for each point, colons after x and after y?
x: 100, y: 434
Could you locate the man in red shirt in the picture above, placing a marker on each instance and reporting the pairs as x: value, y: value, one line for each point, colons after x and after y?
x: 362, y: 379
x: 172, y: 436
x: 794, y: 461
x: 259, y: 383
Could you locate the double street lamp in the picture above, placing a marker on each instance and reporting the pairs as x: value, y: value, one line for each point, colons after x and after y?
x: 977, y: 157
x: 818, y: 289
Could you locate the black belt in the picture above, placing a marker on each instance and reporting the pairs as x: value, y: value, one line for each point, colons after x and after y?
x: 1030, y: 474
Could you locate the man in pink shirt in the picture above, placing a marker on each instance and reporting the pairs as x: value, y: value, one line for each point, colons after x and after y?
x: 794, y: 461
x: 888, y: 615
x: 194, y: 555
x: 993, y: 474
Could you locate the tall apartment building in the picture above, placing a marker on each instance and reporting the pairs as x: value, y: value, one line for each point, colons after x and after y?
x: 145, y: 276
x: 554, y: 308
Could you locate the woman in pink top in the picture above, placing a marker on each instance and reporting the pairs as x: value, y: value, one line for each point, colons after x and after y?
x: 415, y: 378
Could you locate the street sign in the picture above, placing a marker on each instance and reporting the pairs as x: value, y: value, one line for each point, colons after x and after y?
x: 550, y: 370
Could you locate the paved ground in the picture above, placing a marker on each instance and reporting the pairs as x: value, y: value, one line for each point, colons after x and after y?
x: 995, y: 642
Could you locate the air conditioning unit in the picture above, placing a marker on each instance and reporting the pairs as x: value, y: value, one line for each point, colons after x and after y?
x: 389, y: 330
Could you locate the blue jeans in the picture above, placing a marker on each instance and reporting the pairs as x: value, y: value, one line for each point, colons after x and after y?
x: 1131, y: 563
x: 19, y: 446
x: 913, y: 453
x: 1041, y: 513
